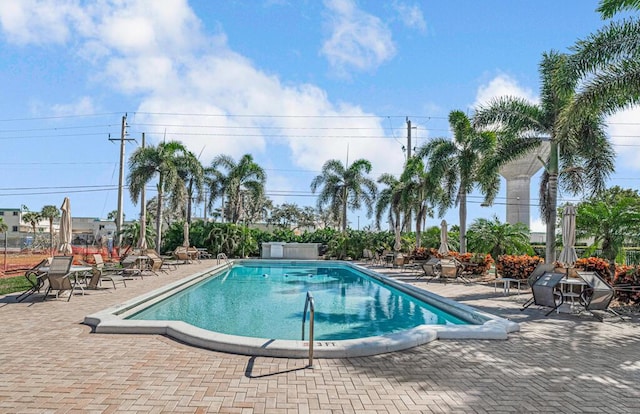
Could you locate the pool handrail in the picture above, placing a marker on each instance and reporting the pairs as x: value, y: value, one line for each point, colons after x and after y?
x: 309, y: 303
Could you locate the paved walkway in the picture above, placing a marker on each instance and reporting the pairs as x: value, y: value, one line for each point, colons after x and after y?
x: 50, y: 362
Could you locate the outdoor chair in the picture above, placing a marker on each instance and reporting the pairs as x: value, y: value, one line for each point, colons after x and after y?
x: 181, y: 254
x: 451, y: 269
x: 597, y: 295
x: 537, y: 273
x: 59, y: 277
x: 159, y: 263
x: 36, y: 277
x: 102, y: 272
x: 430, y: 269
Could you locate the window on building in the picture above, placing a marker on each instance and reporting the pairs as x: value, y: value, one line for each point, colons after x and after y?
x: 14, y: 228
x: 15, y: 213
x: 1, y: 213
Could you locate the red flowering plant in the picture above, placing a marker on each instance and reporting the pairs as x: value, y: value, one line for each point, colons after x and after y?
x: 517, y: 267
x: 481, y: 262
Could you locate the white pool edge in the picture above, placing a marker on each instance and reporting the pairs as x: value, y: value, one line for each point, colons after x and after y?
x: 111, y: 320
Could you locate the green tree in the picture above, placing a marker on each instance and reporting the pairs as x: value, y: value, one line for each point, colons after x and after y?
x: 389, y: 200
x: 496, y: 238
x: 581, y: 157
x: 131, y: 234
x: 50, y: 212
x: 151, y: 162
x: 3, y: 226
x: 607, y: 62
x: 612, y: 218
x: 191, y: 183
x: 231, y: 180
x: 32, y: 218
x: 343, y: 188
x: 471, y: 159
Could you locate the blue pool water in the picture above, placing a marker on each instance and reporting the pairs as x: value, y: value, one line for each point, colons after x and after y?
x: 266, y: 300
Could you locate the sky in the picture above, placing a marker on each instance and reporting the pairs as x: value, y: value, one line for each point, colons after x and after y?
x: 293, y: 83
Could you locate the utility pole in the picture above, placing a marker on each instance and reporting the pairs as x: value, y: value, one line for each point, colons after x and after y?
x: 143, y: 208
x: 408, y: 138
x: 120, y: 219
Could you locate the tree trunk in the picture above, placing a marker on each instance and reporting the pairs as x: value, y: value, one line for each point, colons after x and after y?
x: 159, y: 216
x: 344, y: 210
x: 51, y: 235
x: 189, y: 201
x: 552, y: 200
x: 463, y: 220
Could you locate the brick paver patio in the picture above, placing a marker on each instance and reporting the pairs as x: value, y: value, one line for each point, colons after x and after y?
x: 51, y: 362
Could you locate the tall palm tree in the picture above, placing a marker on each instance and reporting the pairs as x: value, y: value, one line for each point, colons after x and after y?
x: 50, y: 212
x: 32, y: 218
x: 191, y: 183
x: 344, y: 188
x: 608, y: 63
x: 226, y: 178
x: 389, y: 200
x: 151, y: 162
x: 580, y: 156
x: 419, y: 192
x: 470, y: 160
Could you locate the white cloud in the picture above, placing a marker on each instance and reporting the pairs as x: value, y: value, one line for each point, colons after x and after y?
x: 82, y: 106
x: 38, y: 21
x: 173, y: 69
x: 358, y: 41
x: 502, y: 85
x: 624, y: 131
x: 411, y: 16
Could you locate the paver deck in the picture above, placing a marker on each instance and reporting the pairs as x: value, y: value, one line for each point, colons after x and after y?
x: 51, y: 362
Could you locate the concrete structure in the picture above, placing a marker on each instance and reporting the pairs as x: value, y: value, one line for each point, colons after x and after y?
x: 518, y: 174
x: 281, y: 250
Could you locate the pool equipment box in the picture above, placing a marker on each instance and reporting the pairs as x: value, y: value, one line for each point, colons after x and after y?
x: 279, y: 250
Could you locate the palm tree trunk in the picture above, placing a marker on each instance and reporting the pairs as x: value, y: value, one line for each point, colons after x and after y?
x: 190, y: 195
x: 550, y: 253
x: 344, y: 210
x: 159, y: 216
x: 51, y: 235
x: 419, y: 226
x: 463, y: 220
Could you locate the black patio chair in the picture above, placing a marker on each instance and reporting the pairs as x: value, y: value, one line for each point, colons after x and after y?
x: 598, y: 294
x: 36, y: 277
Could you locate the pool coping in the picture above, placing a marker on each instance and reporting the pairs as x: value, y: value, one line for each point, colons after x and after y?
x: 487, y: 326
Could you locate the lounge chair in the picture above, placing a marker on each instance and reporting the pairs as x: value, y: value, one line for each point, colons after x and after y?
x: 159, y: 263
x: 36, y: 277
x: 102, y: 272
x: 59, y: 277
x: 181, y: 254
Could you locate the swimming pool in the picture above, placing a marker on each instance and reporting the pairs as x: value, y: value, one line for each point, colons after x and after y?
x: 266, y: 300
x: 358, y: 312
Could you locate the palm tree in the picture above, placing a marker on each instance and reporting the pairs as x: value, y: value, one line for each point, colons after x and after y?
x: 145, y: 164
x: 3, y: 229
x: 226, y: 178
x: 491, y: 236
x: 344, y: 188
x: 580, y: 156
x: 607, y: 62
x: 612, y: 219
x: 32, y: 218
x: 191, y: 173
x: 50, y: 212
x: 389, y: 200
x: 471, y: 159
x: 419, y: 193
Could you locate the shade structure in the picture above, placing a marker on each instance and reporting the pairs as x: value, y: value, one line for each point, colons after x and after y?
x: 568, y: 254
x: 185, y: 243
x: 65, y: 228
x: 444, y: 242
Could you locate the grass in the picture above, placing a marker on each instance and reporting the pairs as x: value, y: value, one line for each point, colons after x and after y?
x: 13, y: 284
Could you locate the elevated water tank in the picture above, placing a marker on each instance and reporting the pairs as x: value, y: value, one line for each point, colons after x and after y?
x: 518, y: 174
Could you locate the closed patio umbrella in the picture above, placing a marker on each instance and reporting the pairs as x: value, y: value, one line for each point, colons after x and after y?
x: 185, y: 243
x: 568, y: 254
x: 65, y: 228
x: 444, y: 242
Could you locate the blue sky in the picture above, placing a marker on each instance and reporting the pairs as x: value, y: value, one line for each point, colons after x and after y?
x: 294, y: 83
